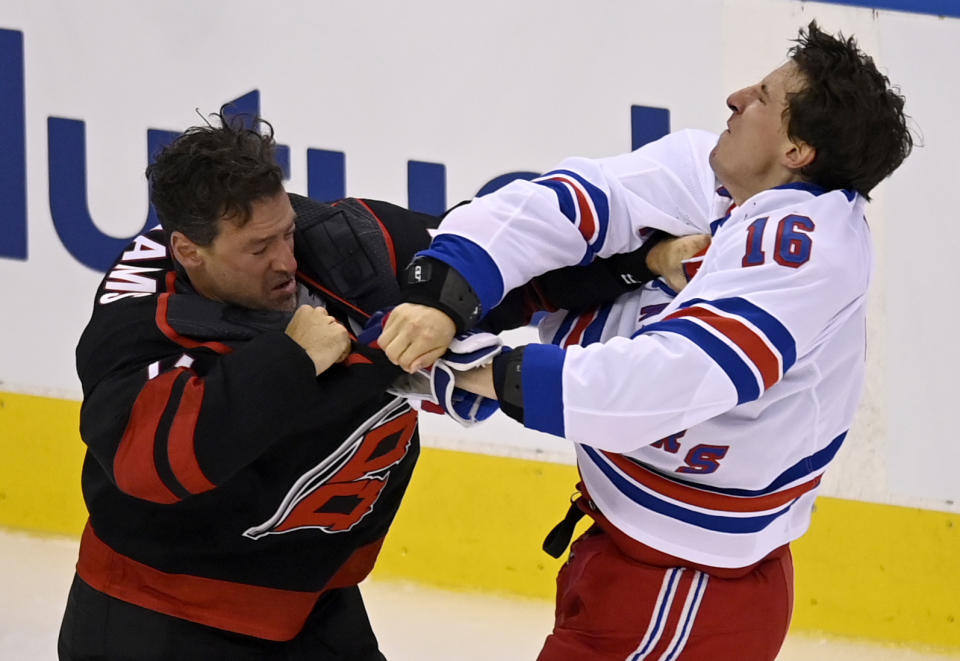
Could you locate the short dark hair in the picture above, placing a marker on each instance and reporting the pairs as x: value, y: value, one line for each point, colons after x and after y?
x: 214, y: 171
x: 848, y: 111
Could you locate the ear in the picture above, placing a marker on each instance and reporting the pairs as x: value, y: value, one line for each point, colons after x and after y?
x: 185, y: 251
x: 799, y: 155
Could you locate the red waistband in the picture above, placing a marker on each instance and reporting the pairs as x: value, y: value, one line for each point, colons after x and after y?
x: 253, y: 610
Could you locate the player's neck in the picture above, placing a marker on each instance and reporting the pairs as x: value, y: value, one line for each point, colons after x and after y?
x: 743, y: 191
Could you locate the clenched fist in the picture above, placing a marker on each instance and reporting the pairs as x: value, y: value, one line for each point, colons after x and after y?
x: 416, y: 335
x: 666, y: 258
x: 324, y: 339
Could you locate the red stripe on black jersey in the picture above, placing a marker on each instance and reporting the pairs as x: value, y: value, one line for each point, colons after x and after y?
x: 252, y: 610
x: 386, y: 237
x: 134, y: 466
x: 535, y: 299
x: 357, y: 566
x: 357, y: 359
x: 313, y: 283
x: 167, y: 329
x: 181, y: 442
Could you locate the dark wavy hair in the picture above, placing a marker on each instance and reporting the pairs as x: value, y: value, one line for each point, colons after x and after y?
x: 848, y: 111
x: 212, y: 172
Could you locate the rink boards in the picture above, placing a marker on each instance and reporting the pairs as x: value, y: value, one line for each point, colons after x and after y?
x: 475, y: 522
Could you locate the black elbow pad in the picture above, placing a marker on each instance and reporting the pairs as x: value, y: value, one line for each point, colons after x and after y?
x: 433, y: 283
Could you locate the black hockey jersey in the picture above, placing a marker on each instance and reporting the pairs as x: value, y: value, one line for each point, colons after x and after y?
x: 226, y: 483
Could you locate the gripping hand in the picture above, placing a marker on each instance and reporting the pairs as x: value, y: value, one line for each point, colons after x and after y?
x: 433, y: 387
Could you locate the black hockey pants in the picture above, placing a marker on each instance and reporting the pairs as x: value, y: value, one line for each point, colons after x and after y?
x: 97, y: 626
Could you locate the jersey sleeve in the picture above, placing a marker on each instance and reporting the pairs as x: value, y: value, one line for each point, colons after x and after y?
x: 405, y: 231
x: 572, y: 288
x: 581, y: 210
x: 734, y: 333
x: 164, y: 430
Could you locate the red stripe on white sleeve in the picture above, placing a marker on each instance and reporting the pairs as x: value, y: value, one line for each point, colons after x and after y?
x: 750, y: 342
x: 580, y: 327
x: 588, y: 218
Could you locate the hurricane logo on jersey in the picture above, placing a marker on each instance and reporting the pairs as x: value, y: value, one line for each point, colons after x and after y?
x: 340, y: 491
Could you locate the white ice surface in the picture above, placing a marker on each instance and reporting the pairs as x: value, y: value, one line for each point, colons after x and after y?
x: 413, y: 622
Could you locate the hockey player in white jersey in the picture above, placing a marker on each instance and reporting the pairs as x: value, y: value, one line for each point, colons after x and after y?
x: 703, y: 420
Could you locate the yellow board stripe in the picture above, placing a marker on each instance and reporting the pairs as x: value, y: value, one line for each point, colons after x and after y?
x: 881, y: 572
x: 40, y: 458
x: 476, y: 522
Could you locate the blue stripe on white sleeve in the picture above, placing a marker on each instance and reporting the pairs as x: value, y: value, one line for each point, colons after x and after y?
x: 564, y: 328
x: 599, y: 199
x: 543, y: 388
x: 595, y: 329
x: 662, y: 286
x: 564, y: 198
x: 736, y: 368
x: 473, y: 263
x: 568, y: 207
x: 769, y: 325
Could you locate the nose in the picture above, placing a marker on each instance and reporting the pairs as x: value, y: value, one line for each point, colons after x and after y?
x: 284, y: 259
x: 736, y: 101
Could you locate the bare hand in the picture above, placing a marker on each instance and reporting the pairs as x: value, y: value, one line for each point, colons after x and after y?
x: 478, y: 381
x: 416, y: 335
x: 324, y: 339
x: 666, y: 258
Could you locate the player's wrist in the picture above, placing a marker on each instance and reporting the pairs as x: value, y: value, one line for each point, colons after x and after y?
x: 435, y: 284
x: 643, y: 264
x: 508, y: 382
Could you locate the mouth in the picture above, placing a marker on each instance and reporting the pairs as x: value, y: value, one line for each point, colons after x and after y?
x: 286, y: 288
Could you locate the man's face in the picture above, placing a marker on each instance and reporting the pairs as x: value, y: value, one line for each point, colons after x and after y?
x: 251, y: 265
x: 750, y: 155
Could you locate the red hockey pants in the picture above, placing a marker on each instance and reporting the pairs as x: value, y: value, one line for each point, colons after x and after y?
x: 614, y: 607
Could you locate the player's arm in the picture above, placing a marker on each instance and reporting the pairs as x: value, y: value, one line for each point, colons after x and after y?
x: 405, y: 231
x: 164, y: 432
x: 602, y: 281
x: 420, y: 333
x: 583, y: 210
x: 731, y: 336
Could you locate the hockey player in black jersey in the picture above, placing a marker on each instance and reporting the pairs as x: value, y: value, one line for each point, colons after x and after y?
x: 244, y: 457
x: 244, y: 460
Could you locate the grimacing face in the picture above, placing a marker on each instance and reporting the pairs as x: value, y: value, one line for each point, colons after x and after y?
x: 251, y: 265
x: 752, y: 155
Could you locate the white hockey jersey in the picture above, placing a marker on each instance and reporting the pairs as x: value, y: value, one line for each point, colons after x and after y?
x: 703, y: 421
